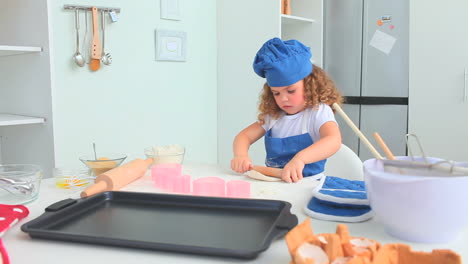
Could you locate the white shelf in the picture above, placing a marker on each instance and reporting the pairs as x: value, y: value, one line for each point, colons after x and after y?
x: 11, y: 120
x: 16, y: 50
x: 287, y: 19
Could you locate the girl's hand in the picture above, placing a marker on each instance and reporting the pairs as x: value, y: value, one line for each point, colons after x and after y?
x: 292, y: 172
x: 241, y: 164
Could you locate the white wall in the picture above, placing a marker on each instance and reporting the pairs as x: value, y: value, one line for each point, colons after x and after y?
x: 240, y: 36
x: 137, y: 101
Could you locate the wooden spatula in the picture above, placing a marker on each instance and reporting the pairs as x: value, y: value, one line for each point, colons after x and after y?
x: 96, y: 44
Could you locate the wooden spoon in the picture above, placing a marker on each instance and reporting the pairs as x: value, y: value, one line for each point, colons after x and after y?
x: 95, y: 63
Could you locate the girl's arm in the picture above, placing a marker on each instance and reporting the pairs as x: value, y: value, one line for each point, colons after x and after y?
x: 241, y: 161
x: 328, y: 144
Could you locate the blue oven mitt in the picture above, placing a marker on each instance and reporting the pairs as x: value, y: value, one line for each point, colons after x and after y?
x: 337, y: 199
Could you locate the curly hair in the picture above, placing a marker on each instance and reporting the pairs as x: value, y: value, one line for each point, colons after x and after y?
x: 318, y: 88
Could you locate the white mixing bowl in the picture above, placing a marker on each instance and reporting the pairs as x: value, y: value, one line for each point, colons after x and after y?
x: 417, y: 208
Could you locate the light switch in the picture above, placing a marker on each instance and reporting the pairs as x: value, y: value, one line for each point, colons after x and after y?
x: 170, y: 45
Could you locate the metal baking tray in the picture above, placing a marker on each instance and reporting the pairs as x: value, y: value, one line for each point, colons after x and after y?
x: 238, y: 228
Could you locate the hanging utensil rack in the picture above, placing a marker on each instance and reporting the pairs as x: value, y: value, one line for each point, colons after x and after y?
x: 88, y: 8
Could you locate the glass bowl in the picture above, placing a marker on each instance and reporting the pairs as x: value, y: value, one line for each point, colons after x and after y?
x: 72, y: 179
x: 103, y: 163
x: 19, y: 183
x: 166, y: 154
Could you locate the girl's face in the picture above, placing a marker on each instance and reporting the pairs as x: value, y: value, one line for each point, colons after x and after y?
x: 290, y: 98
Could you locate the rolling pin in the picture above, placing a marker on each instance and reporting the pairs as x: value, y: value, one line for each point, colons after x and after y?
x: 268, y: 171
x: 118, y: 177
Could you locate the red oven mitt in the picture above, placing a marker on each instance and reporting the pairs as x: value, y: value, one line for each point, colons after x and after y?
x: 9, y: 215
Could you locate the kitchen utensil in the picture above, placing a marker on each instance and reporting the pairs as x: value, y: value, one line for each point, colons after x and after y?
x: 417, y: 207
x: 384, y: 146
x: 268, y: 171
x: 209, y: 186
x: 182, y: 184
x: 164, y: 175
x: 19, y: 183
x: 96, y: 51
x: 102, y: 164
x: 94, y: 149
x: 118, y: 177
x: 15, y: 187
x: 106, y: 57
x: 420, y: 165
x: 238, y: 189
x: 356, y: 130
x: 86, y: 41
x: 224, y: 227
x: 77, y: 57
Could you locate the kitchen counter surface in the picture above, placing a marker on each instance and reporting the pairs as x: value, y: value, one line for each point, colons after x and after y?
x: 24, y: 249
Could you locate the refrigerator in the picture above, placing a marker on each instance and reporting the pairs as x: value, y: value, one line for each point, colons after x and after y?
x: 366, y: 45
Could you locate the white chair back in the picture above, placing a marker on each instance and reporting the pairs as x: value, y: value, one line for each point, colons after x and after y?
x: 344, y: 164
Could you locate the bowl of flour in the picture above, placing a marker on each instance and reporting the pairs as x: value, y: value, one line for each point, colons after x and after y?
x: 166, y: 154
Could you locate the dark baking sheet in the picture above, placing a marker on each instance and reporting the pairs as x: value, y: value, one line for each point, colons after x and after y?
x: 240, y: 228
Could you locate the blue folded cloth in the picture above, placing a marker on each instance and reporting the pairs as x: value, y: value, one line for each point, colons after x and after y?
x: 338, y: 199
x: 341, y: 191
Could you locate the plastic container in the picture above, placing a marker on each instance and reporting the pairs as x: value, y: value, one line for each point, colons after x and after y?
x: 417, y: 208
x: 166, y: 154
x: 19, y: 183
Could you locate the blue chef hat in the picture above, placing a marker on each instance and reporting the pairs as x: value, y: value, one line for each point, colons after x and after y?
x: 283, y: 63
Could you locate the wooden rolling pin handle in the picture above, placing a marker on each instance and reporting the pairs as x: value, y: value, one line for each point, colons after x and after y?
x: 268, y: 171
x: 118, y: 177
x: 98, y: 187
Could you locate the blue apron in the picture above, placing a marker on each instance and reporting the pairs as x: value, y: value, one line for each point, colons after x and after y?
x: 279, y: 151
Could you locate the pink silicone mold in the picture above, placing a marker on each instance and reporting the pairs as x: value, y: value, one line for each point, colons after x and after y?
x: 182, y: 184
x: 238, y: 189
x: 209, y: 186
x: 163, y: 175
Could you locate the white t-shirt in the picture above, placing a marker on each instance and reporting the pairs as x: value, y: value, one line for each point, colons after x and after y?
x: 292, y: 125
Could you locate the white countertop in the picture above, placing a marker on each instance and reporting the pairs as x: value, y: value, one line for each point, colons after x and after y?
x: 24, y: 249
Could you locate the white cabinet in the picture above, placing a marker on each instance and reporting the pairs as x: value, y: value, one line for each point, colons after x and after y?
x: 26, y: 131
x: 243, y: 26
x: 438, y: 102
x: 17, y: 50
x: 306, y: 25
x: 12, y: 119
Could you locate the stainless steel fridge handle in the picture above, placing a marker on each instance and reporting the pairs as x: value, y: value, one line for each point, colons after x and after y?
x: 464, y: 86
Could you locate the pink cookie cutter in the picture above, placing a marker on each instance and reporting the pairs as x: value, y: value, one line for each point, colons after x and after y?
x: 182, y: 184
x: 238, y: 189
x: 209, y: 186
x: 164, y: 175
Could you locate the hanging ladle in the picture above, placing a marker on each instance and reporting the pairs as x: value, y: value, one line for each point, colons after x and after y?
x: 79, y: 60
x: 105, y: 57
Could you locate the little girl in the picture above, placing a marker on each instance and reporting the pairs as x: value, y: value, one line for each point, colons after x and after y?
x: 295, y: 114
